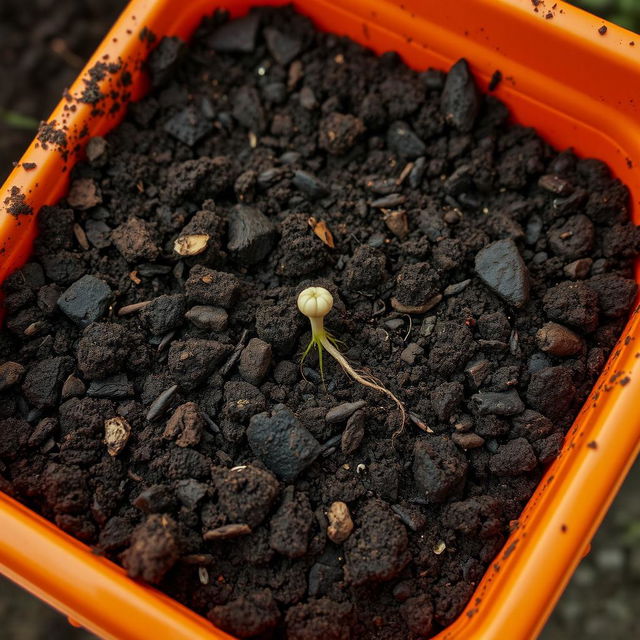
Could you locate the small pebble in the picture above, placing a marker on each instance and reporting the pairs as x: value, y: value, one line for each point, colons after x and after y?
x: 308, y: 99
x: 417, y: 173
x: 311, y: 186
x: 397, y: 223
x: 555, y: 184
x: 95, y: 148
x: 578, y: 269
x: 85, y: 300
x: 427, y: 326
x: 353, y: 434
x: 501, y: 267
x: 284, y: 47
x: 236, y: 36
x: 98, y: 233
x: 404, y: 142
x: 389, y: 202
x: 116, y: 434
x: 226, y: 532
x: 84, y: 194
x: 498, y: 403
x: 255, y: 361
x: 115, y: 387
x: 394, y: 323
x: 411, y: 352
x: 454, y: 289
x: 557, y: 340
x: 340, y: 522
x: 188, y: 125
x: 251, y: 235
x: 73, y: 387
x: 381, y: 186
x: 459, y: 101
x: 208, y: 318
x: 10, y: 373
x: 160, y: 404
x: 282, y: 444
x: 416, y: 310
x: 343, y: 411
x: 468, y: 440
x: 452, y: 217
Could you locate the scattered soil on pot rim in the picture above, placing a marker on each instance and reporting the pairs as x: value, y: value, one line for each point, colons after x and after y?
x: 152, y: 401
x: 43, y: 47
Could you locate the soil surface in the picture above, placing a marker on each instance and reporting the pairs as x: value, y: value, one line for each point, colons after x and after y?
x: 151, y: 396
x: 43, y: 46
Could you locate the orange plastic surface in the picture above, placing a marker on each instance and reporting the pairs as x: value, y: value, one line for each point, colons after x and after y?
x: 579, y: 89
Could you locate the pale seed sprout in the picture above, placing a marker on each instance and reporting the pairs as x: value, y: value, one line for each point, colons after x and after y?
x: 315, y: 303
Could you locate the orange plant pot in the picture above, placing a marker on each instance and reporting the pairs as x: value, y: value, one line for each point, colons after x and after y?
x: 578, y: 88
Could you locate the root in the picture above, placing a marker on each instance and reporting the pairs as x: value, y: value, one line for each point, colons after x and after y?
x: 366, y: 380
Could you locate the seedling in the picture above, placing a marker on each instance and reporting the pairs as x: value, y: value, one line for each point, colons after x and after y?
x: 315, y: 303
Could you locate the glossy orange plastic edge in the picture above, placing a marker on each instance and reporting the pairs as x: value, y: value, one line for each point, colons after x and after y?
x: 579, y: 89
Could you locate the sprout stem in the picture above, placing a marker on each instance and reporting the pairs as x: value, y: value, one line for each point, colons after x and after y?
x: 315, y: 303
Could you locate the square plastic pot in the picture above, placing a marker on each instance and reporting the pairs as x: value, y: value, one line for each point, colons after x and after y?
x: 578, y: 88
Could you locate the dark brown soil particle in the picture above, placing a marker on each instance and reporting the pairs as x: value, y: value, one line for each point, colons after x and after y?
x: 152, y: 399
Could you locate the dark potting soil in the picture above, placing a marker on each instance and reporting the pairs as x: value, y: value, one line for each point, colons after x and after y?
x: 152, y: 403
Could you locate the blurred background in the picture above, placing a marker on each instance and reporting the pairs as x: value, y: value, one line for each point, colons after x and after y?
x: 43, y: 46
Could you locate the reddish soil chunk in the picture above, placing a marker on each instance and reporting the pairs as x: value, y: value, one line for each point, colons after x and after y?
x: 154, y: 549
x: 321, y: 619
x: 164, y: 314
x: 513, y: 458
x: 377, y: 549
x: 280, y: 325
x: 573, y: 303
x: 185, y: 425
x: 135, y: 240
x: 102, y: 350
x: 193, y: 360
x: 290, y: 526
x: 14, y: 434
x: 366, y: 269
x: 439, y: 468
x: 205, y: 286
x: 417, y: 283
x: 247, y: 616
x: 245, y: 493
x: 198, y: 179
x: 43, y: 381
x: 615, y: 294
x: 479, y: 274
x: 551, y: 391
x: 418, y: 614
x: 339, y: 132
x: 477, y: 516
